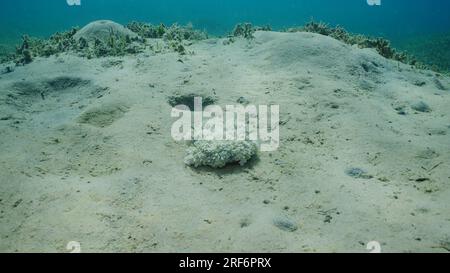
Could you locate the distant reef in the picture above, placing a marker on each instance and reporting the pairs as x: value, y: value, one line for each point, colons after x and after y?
x: 433, y: 50
x: 107, y: 38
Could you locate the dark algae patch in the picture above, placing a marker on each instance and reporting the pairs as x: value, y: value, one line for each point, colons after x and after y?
x: 173, y: 32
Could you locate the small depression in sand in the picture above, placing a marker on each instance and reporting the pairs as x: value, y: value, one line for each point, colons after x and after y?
x: 25, y: 93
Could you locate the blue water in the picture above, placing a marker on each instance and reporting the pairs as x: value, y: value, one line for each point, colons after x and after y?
x: 394, y: 19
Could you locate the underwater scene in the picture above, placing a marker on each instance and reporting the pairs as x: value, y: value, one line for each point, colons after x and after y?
x: 225, y: 126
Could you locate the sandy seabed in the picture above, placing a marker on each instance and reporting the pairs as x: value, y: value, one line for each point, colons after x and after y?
x: 86, y: 153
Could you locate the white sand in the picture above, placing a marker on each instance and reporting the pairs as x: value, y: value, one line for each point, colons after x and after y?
x: 94, y: 161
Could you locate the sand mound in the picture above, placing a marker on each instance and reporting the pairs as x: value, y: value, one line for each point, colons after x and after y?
x: 103, y: 116
x: 102, y: 30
